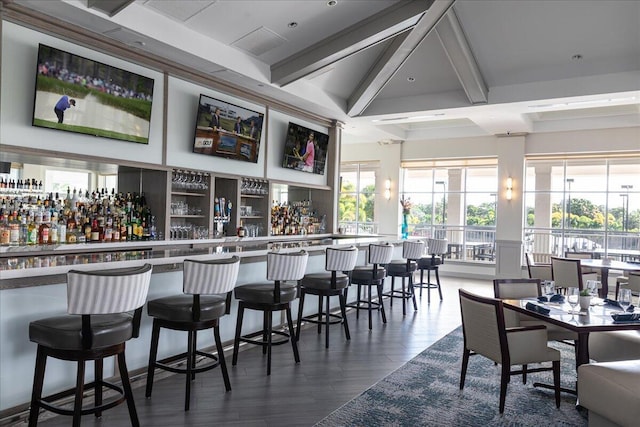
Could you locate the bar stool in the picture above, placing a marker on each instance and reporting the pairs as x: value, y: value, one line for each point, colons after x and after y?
x: 404, y: 268
x: 206, y: 287
x: 269, y: 297
x: 436, y: 248
x: 99, y: 304
x: 370, y: 276
x: 333, y: 282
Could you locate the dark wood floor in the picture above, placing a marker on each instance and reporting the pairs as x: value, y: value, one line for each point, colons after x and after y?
x: 300, y: 394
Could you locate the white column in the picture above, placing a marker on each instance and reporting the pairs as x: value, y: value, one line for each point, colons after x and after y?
x: 455, y: 207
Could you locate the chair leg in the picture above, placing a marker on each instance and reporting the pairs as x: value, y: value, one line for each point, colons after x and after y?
x: 99, y: 375
x: 421, y: 281
x: 369, y: 308
x: 438, y: 282
x: 221, y: 361
x: 358, y: 303
x: 128, y: 392
x: 236, y: 341
x: 326, y: 320
x: 268, y: 331
x: 300, y: 310
x: 504, y: 380
x: 524, y: 374
x: 391, y: 293
x: 153, y: 354
x: 38, y: 382
x: 556, y: 381
x: 412, y: 292
x: 404, y: 303
x: 187, y: 390
x: 384, y: 315
x: 294, y: 343
x: 343, y: 310
x: 465, y: 363
x: 266, y: 319
x: 77, y: 406
x: 428, y: 286
x: 193, y: 354
x: 319, y: 324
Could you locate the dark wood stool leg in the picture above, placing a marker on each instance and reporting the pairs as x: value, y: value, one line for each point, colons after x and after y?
x: 128, y: 393
x: 412, y: 291
x: 391, y: 293
x: 77, y: 406
x: 236, y: 341
x: 99, y: 375
x: 428, y: 286
x: 326, y: 319
x: 384, y: 315
x: 438, y: 282
x: 421, y: 281
x: 294, y: 343
x: 153, y: 354
x: 190, y: 358
x: 369, y: 307
x: 38, y: 382
x: 343, y: 309
x: 358, y: 303
x: 404, y: 299
x: 193, y: 354
x: 268, y: 327
x: 266, y: 319
x: 320, y: 314
x: 300, y: 309
x: 221, y: 361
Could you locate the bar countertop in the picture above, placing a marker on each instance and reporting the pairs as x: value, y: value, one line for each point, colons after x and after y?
x: 40, y: 266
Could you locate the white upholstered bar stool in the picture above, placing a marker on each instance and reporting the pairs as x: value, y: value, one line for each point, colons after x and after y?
x: 206, y: 297
x: 284, y: 270
x: 369, y: 277
x: 104, y: 311
x: 338, y: 263
x: 436, y: 249
x: 404, y: 268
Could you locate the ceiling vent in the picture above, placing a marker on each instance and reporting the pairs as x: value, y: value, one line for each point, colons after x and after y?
x: 259, y: 42
x: 390, y: 141
x: 110, y: 7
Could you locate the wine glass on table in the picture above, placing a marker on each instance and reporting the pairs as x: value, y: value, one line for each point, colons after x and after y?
x: 624, y: 298
x: 573, y: 298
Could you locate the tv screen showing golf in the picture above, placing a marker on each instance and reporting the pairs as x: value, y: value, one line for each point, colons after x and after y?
x: 77, y: 94
x: 227, y: 130
x: 305, y: 149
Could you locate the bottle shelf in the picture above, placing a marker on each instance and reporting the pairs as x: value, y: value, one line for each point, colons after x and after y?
x: 188, y: 216
x: 252, y: 196
x: 182, y: 193
x: 251, y: 217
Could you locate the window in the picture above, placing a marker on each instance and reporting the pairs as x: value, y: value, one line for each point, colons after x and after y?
x: 583, y: 205
x: 356, y: 207
x: 456, y: 202
x: 57, y: 181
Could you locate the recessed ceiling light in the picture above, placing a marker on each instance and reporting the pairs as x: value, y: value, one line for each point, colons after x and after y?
x: 292, y: 24
x: 576, y: 57
x: 332, y: 3
x: 411, y: 79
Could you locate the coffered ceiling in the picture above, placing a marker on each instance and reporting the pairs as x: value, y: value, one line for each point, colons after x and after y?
x: 399, y: 69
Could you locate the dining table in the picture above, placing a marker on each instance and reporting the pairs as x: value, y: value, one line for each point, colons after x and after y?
x: 604, y: 265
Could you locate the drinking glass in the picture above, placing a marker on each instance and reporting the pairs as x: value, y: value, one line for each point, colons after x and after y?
x: 624, y: 298
x: 592, y: 286
x: 549, y: 287
x: 573, y: 298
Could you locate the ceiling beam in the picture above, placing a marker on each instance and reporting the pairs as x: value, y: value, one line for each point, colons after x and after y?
x: 393, y: 58
x: 368, y: 32
x: 459, y: 52
x: 110, y: 7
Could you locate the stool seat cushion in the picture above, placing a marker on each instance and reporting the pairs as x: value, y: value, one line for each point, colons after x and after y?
x: 365, y: 274
x: 262, y: 293
x: 429, y: 262
x: 399, y: 266
x: 179, y: 308
x: 322, y: 281
x: 65, y: 332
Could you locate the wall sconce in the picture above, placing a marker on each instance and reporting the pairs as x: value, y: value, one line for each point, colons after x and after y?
x: 509, y: 188
x: 387, y: 189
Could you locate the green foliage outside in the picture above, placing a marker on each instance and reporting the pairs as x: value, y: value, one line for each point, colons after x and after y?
x: 138, y: 107
x: 585, y: 215
x: 347, y: 203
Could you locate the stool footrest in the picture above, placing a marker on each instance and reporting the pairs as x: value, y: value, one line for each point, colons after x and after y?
x: 400, y: 294
x: 196, y: 370
x: 317, y: 318
x: 364, y: 305
x: 45, y: 402
x: 250, y: 340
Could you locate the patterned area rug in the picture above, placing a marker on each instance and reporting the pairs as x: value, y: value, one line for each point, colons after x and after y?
x: 425, y: 391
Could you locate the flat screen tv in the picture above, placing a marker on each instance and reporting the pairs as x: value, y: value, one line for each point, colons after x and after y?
x: 305, y: 149
x: 227, y: 130
x: 78, y: 94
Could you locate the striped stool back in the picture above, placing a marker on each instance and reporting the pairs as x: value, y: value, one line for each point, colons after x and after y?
x: 210, y: 277
x: 341, y: 259
x: 380, y: 253
x: 437, y: 246
x: 412, y: 250
x: 108, y: 291
x: 286, y: 266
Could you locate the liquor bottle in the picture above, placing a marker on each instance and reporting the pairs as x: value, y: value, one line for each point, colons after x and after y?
x: 43, y: 233
x: 94, y: 234
x: 4, y: 231
x: 53, y: 229
x: 32, y: 232
x: 87, y: 229
x: 62, y: 230
x: 23, y: 230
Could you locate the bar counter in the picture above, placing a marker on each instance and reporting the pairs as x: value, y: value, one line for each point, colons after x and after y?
x: 33, y: 286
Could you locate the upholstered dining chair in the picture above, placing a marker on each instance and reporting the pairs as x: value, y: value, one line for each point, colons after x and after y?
x: 332, y: 282
x: 632, y: 282
x: 104, y: 312
x: 486, y: 334
x: 206, y: 297
x: 567, y: 273
x: 284, y: 270
x: 370, y: 277
x: 436, y: 248
x: 536, y: 270
x: 404, y: 268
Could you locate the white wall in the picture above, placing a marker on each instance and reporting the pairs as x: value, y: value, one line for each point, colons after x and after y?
x: 19, y: 58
